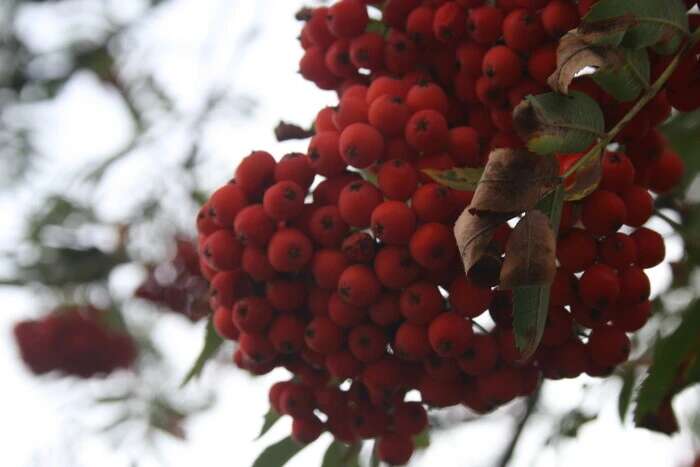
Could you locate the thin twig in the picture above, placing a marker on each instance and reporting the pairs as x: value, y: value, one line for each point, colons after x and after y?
x: 530, y: 407
x: 676, y: 225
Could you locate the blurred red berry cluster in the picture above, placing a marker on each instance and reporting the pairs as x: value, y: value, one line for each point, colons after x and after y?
x: 74, y: 341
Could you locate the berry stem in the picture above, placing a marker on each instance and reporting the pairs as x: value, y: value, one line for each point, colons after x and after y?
x: 677, y: 226
x: 530, y: 408
x: 641, y: 103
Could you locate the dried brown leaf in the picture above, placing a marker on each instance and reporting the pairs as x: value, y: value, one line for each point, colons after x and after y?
x: 530, y: 258
x: 587, y: 179
x: 573, y: 55
x: 473, y: 235
x: 514, y: 180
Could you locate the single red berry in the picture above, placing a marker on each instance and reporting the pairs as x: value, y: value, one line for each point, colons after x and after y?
x: 326, y: 226
x: 427, y: 96
x: 359, y: 247
x: 559, y: 17
x: 225, y: 203
x: 361, y: 145
x: 306, y: 430
x: 222, y: 251
x: 634, y: 286
x: 323, y: 336
x: 397, y: 179
x: 485, y: 24
x: 589, y: 317
x: 427, y: 131
x: 227, y: 287
x: 411, y: 342
x: 343, y: 365
x: 449, y: 334
x: 502, y: 66
x: 367, y: 51
x: 358, y: 285
x: 345, y: 314
x: 326, y: 266
x: 252, y: 314
x: 287, y: 333
x: 393, y: 222
x: 253, y: 226
x: 255, y: 172
x: 618, y: 250
x: 599, y: 286
x: 350, y: 110
x: 480, y: 355
x: 563, y: 289
x: 395, y: 267
x: 449, y: 23
x: 603, y: 213
x: 467, y: 299
x: 618, y: 172
x: 289, y: 250
x: 286, y: 295
x: 421, y: 302
x: 433, y: 246
x: 347, y: 18
x: 666, y: 172
x: 389, y: 115
x: 223, y: 324
x: 464, y: 147
x: 367, y: 342
x: 324, y: 154
x: 357, y: 201
x: 632, y: 318
x: 433, y: 203
x: 394, y: 448
x: 255, y: 263
x: 410, y: 418
x: 523, y: 30
x: 257, y: 348
x: 385, y: 85
x: 295, y: 167
x: 297, y: 401
x: 608, y: 346
x: 542, y: 63
x: 639, y: 205
x: 651, y: 248
x: 283, y: 201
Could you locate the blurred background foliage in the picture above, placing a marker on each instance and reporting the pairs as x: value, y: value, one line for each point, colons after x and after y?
x: 65, y: 249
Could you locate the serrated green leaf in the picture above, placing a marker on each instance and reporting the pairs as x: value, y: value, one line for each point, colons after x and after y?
x: 212, y: 342
x: 556, y: 123
x: 278, y: 454
x: 422, y: 440
x: 269, y: 420
x: 342, y: 455
x: 669, y: 354
x: 531, y: 304
x: 625, y: 397
x: 650, y: 22
x: 459, y: 178
x: 629, y: 78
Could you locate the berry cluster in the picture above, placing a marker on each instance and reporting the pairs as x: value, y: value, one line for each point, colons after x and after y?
x: 177, y: 284
x: 338, y: 279
x: 74, y: 341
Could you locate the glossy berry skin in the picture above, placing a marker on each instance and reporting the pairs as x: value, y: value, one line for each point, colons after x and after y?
x: 634, y: 286
x: 639, y: 205
x: 651, y: 249
x: 289, y: 250
x: 608, y: 346
x: 603, y: 213
x: 618, y: 172
x: 361, y: 145
x: 618, y: 250
x: 502, y: 66
x: 393, y: 223
x: 357, y: 201
x: 599, y: 287
x: 283, y: 201
x: 394, y: 449
x: 449, y: 334
x: 576, y: 250
x: 358, y: 285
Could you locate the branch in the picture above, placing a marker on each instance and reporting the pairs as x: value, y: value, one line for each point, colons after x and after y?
x: 285, y: 131
x: 650, y: 93
x: 530, y: 407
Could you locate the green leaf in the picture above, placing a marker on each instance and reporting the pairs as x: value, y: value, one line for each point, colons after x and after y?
x: 377, y: 26
x: 422, y: 440
x: 625, y: 397
x: 556, y: 123
x: 629, y: 78
x: 683, y: 132
x: 459, y: 178
x: 531, y: 304
x: 669, y: 354
x: 370, y: 176
x: 278, y: 454
x: 342, y: 455
x: 269, y: 420
x: 212, y: 342
x: 648, y: 22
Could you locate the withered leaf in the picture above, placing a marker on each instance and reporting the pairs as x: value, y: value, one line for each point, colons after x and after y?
x: 530, y: 257
x: 574, y: 53
x: 473, y: 235
x: 587, y: 179
x: 514, y: 180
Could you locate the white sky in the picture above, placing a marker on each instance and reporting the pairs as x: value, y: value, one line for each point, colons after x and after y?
x: 190, y: 45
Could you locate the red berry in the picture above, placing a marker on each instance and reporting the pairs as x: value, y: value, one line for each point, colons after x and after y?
x: 618, y: 172
x: 255, y: 263
x: 358, y: 285
x: 449, y: 23
x: 559, y: 17
x: 666, y: 172
x: 367, y: 51
x: 326, y: 266
x: 225, y: 203
x: 395, y: 267
x: 286, y: 294
x: 393, y: 222
x: 639, y: 205
x: 608, y: 346
x: 502, y: 66
x: 464, y: 147
x: 389, y: 115
x: 394, y: 448
x: 411, y: 342
x: 523, y: 30
x: 347, y: 18
x: 433, y: 203
x: 410, y: 418
x: 255, y: 172
x: 599, y: 287
x: 397, y: 179
x: 253, y: 226
x: 651, y: 249
x: 222, y: 251
x: 618, y: 250
x: 449, y: 334
x: 345, y: 314
x: 361, y: 145
x: 480, y: 355
x: 634, y: 286
x: 324, y: 154
x: 359, y: 247
x: 283, y: 201
x: 427, y: 131
x: 307, y: 429
x: 252, y: 314
x: 386, y: 310
x: 433, y: 246
x: 295, y: 167
x: 603, y: 213
x: 287, y: 334
x: 323, y: 336
x: 467, y: 299
x: 357, y: 201
x: 427, y: 96
x: 326, y: 226
x: 223, y: 324
x: 289, y: 250
x: 367, y: 342
x: 421, y: 302
x: 484, y: 24
x: 258, y: 349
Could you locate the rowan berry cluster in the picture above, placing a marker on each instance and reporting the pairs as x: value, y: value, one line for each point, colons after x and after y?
x: 177, y: 284
x: 338, y: 279
x: 74, y: 341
